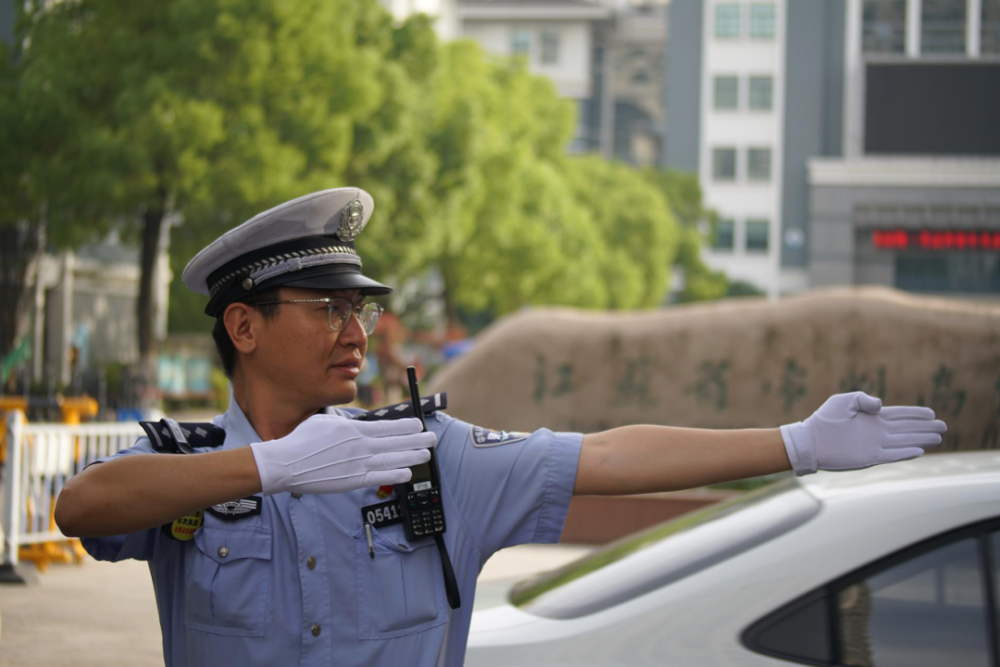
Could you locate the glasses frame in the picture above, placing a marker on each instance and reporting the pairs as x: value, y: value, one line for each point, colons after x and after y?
x: 329, y: 301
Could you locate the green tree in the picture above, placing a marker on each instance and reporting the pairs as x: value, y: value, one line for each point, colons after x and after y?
x: 515, y: 220
x: 683, y: 192
x: 356, y: 121
x: 637, y: 229
x: 204, y: 111
x: 21, y: 212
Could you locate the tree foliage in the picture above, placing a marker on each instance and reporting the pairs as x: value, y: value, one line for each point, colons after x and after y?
x: 209, y: 111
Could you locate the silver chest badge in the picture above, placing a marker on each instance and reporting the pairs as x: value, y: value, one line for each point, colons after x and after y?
x: 351, y: 221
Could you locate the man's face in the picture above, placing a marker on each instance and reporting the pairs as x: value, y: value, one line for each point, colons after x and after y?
x: 307, y: 361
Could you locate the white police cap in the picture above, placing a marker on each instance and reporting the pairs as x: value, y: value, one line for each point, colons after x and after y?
x: 307, y: 242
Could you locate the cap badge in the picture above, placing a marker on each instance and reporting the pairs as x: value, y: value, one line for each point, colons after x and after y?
x: 351, y: 221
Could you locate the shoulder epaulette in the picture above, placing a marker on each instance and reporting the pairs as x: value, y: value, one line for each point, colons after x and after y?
x: 429, y: 405
x: 169, y: 437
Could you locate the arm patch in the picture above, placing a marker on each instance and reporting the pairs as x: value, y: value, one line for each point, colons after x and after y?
x: 429, y: 405
x: 484, y: 437
x: 170, y: 437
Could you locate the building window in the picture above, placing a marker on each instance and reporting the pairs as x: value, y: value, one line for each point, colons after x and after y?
x: 520, y: 43
x: 762, y: 20
x: 726, y: 93
x: 759, y: 164
x: 550, y: 48
x: 989, y: 28
x: 757, y: 235
x: 761, y: 93
x: 884, y: 26
x: 723, y: 164
x: 942, y: 26
x: 727, y: 21
x: 725, y: 235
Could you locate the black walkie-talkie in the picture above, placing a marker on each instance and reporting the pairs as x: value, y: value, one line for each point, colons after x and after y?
x: 420, y: 499
x: 420, y: 503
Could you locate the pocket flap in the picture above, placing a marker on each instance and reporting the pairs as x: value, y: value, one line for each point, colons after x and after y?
x: 224, y: 545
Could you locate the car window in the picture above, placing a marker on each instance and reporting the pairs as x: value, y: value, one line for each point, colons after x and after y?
x: 995, y: 566
x: 924, y: 612
x: 665, y: 553
x: 924, y: 607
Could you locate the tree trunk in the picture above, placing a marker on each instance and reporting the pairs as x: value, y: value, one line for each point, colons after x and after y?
x: 151, y: 230
x: 450, y: 309
x: 20, y: 244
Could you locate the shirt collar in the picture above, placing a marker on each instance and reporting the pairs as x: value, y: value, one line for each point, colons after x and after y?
x: 240, y: 432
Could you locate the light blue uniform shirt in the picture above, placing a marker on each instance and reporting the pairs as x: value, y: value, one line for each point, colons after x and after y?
x: 256, y: 601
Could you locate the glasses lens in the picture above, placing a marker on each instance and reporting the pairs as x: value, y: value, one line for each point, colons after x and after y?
x: 369, y: 315
x: 340, y: 314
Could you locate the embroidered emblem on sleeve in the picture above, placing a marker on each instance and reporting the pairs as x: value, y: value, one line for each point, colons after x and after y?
x: 484, y: 437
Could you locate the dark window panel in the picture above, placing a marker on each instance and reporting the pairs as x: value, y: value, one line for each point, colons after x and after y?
x: 932, y: 109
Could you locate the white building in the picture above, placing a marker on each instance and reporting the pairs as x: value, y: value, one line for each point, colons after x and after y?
x: 557, y: 39
x: 81, y: 310
x: 740, y: 135
x: 443, y: 11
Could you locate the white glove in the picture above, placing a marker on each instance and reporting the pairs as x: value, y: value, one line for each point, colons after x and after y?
x: 853, y: 431
x: 330, y: 454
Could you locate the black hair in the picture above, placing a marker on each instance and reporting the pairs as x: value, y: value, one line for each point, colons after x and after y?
x: 224, y: 344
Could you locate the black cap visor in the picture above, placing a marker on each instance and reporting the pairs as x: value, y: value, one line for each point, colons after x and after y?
x: 333, y: 281
x: 329, y: 277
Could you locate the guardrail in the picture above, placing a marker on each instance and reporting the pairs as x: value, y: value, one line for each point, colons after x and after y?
x: 40, y: 458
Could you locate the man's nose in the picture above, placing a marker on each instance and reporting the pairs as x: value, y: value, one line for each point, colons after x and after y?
x: 353, y: 333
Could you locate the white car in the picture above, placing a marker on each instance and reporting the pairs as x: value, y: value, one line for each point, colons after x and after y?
x: 894, y: 566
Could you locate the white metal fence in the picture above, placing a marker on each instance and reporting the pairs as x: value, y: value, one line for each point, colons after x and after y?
x: 40, y: 458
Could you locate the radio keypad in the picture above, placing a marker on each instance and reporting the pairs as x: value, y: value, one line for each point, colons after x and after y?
x: 426, y: 516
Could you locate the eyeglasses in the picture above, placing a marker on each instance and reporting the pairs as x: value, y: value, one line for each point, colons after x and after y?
x: 338, y: 312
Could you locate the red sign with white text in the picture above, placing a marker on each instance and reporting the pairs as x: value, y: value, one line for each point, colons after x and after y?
x: 926, y: 239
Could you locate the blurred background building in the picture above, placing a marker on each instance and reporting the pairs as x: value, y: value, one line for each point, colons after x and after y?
x: 444, y: 12
x: 608, y: 56
x: 843, y: 141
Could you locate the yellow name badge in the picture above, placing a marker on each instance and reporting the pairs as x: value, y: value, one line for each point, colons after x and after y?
x: 183, y: 529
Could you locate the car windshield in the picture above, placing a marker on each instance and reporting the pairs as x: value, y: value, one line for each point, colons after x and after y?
x: 653, y: 558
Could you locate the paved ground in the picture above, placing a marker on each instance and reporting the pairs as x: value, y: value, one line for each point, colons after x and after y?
x: 98, y: 614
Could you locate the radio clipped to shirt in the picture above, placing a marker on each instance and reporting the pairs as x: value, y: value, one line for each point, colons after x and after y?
x: 418, y: 504
x: 419, y: 507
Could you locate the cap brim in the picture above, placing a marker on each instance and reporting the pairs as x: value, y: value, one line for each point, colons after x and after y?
x: 331, y: 277
x: 334, y: 281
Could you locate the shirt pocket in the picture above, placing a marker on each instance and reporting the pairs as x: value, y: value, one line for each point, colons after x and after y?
x: 401, y: 589
x: 227, y: 580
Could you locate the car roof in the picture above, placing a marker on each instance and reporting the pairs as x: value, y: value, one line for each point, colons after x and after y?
x: 926, y: 472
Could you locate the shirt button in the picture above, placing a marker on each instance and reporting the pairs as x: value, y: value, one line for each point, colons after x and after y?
x: 311, y: 563
x: 316, y: 630
x: 223, y: 552
x: 296, y: 495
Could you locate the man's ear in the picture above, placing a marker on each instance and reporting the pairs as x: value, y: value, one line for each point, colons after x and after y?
x: 241, y: 323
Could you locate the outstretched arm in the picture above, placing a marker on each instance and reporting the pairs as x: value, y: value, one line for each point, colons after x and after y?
x: 848, y: 432
x: 647, y: 459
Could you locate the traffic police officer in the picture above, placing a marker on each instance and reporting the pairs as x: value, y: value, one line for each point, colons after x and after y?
x: 258, y: 542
